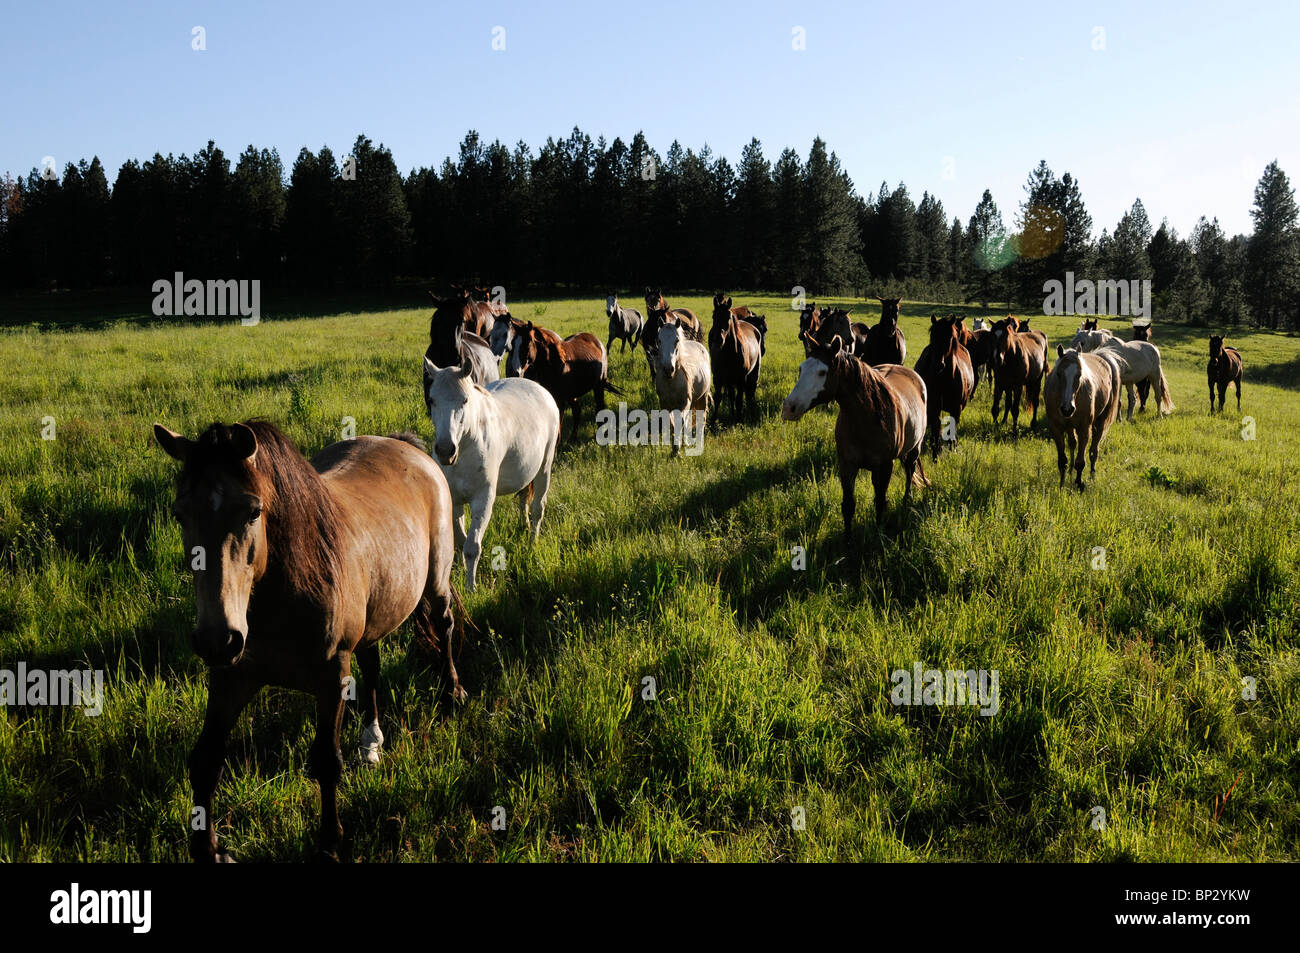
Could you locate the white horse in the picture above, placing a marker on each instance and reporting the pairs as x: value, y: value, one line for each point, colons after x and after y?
x: 491, y: 441
x: 683, y: 377
x: 1087, y: 341
x: 1140, y: 361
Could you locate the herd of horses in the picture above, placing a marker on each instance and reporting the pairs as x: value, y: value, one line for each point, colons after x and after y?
x: 301, y: 565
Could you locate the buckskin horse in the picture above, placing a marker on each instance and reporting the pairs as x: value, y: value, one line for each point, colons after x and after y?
x: 298, y: 567
x: 1082, y: 397
x: 881, y: 419
x: 1224, y: 368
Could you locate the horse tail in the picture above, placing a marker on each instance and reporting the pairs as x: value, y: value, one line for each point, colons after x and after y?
x: 411, y: 437
x: 1166, y: 401
x: 611, y: 388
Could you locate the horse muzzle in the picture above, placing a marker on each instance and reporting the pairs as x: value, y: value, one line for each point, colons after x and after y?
x: 218, y: 648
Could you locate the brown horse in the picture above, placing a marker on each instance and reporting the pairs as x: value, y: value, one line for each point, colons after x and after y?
x: 825, y: 325
x: 739, y: 311
x: 979, y: 345
x: 297, y: 568
x: 1082, y: 397
x: 945, y: 366
x: 1224, y: 368
x: 736, y: 357
x: 456, y: 310
x: 881, y: 419
x: 886, y: 343
x: 1090, y: 324
x: 568, y: 368
x: 660, y: 314
x: 1019, y: 365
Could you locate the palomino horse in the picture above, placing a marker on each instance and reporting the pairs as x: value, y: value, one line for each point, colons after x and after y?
x: 1139, y: 361
x: 660, y: 314
x: 625, y: 324
x: 945, y: 367
x: 683, y: 380
x: 491, y: 441
x: 881, y: 419
x: 736, y: 356
x: 1224, y: 368
x: 568, y: 368
x: 456, y: 310
x: 1019, y: 365
x: 886, y: 343
x: 1082, y: 397
x: 297, y: 568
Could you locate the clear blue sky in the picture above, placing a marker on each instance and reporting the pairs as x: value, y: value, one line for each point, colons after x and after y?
x: 1172, y: 110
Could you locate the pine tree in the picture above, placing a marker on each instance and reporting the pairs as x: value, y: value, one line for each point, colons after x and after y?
x: 989, y: 250
x: 1273, y: 253
x: 830, y: 222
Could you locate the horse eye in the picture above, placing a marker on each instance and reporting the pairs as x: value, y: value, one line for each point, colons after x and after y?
x: 254, y: 512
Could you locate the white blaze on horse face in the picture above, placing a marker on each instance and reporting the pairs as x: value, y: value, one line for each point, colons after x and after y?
x: 234, y: 541
x: 611, y: 304
x: 669, y: 336
x: 807, y: 389
x: 1070, y: 373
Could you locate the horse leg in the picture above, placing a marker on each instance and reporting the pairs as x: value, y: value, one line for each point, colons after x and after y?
x: 848, y: 477
x: 997, y: 396
x: 1078, y: 456
x: 372, y: 739
x: 229, y: 692
x: 442, y: 625
x: 458, y: 524
x: 1013, y: 404
x: 1131, y: 400
x: 480, y: 512
x: 1237, y: 384
x: 1097, y: 433
x: 880, y: 477
x: 537, y: 505
x: 1061, y: 461
x: 325, y: 761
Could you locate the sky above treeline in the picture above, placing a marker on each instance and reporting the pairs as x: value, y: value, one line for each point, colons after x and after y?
x: 1180, y: 104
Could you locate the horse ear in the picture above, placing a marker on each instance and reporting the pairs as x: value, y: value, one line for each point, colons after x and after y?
x: 1060, y: 351
x: 430, y: 368
x: 464, y: 370
x: 177, y: 447
x: 934, y: 319
x: 245, y: 441
x: 836, y: 344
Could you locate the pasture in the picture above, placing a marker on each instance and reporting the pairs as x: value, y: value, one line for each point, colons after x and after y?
x: 1120, y: 687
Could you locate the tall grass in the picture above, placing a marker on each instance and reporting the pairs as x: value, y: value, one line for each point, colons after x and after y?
x: 1121, y: 688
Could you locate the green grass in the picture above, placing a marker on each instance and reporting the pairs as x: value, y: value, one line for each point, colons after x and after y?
x: 1120, y: 688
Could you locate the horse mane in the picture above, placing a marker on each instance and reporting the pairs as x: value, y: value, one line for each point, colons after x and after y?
x: 302, y: 521
x: 864, y: 383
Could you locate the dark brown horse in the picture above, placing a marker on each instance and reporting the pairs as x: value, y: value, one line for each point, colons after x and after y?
x: 979, y: 345
x: 881, y: 419
x: 825, y: 325
x: 945, y: 366
x: 739, y: 311
x: 1090, y: 324
x: 886, y: 343
x: 1141, y: 332
x: 1224, y: 368
x: 660, y: 314
x: 299, y: 567
x: 1020, y: 363
x: 736, y: 357
x: 568, y: 368
x: 455, y: 310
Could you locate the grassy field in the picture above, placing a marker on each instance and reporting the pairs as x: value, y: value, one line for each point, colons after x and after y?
x: 1120, y: 688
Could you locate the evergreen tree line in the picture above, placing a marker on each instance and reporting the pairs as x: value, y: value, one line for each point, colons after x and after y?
x: 592, y: 215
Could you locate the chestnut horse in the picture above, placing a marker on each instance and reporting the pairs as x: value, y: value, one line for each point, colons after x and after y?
x: 1019, y: 365
x: 1082, y: 398
x: 945, y: 367
x: 886, y: 343
x: 569, y: 368
x: 298, y: 567
x: 739, y: 311
x: 736, y: 356
x: 1224, y: 368
x: 881, y: 419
